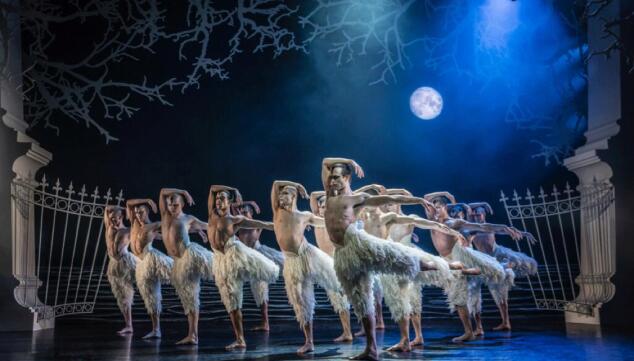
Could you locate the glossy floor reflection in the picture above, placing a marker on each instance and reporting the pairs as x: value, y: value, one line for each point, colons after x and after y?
x: 535, y: 339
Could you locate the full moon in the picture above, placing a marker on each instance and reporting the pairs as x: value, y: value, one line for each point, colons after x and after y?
x: 425, y: 103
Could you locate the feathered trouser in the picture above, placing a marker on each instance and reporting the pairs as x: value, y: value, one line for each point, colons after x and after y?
x: 301, y: 271
x: 363, y: 255
x: 188, y: 270
x: 121, y: 277
x: 152, y: 270
x: 260, y: 289
x: 238, y: 263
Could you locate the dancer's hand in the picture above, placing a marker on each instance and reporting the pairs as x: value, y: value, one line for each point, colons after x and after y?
x: 188, y: 198
x: 302, y: 191
x: 152, y: 205
x: 358, y: 170
x: 515, y: 234
x: 203, y: 235
x: 529, y: 237
x: 415, y: 238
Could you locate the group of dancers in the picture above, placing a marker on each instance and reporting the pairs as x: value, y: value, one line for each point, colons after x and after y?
x: 364, y: 253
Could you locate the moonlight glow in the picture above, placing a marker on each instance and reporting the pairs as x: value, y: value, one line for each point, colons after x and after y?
x: 425, y: 103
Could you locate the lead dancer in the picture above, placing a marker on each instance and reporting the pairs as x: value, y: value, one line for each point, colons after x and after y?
x: 521, y: 264
x: 454, y: 249
x: 358, y: 254
x: 234, y: 262
x: 192, y: 262
x: 305, y: 263
x: 251, y: 238
x: 153, y: 267
x: 121, y: 263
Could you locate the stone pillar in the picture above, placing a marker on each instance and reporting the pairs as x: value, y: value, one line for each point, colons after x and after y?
x: 598, y: 240
x: 25, y: 168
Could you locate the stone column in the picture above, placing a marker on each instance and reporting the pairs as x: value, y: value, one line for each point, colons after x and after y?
x: 598, y: 240
x: 25, y: 168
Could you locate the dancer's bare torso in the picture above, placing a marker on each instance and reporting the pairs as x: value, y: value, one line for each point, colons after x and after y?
x: 444, y: 243
x: 484, y: 242
x: 175, y: 231
x: 141, y: 236
x: 289, y: 228
x: 249, y: 236
x: 342, y: 211
x: 117, y: 241
x: 221, y: 229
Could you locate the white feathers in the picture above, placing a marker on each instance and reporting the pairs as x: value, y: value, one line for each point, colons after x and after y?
x: 195, y: 263
x: 152, y: 269
x: 120, y: 275
x: 301, y: 271
x: 522, y: 264
x: 239, y: 263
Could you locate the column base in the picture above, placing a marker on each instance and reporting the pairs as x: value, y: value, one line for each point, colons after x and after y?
x: 582, y: 318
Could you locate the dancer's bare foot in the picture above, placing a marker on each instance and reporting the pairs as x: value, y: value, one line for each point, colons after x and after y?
x: 502, y: 327
x: 189, y: 340
x: 428, y: 266
x: 402, y: 346
x: 418, y: 341
x: 456, y: 265
x: 367, y: 354
x: 308, y: 347
x: 471, y: 271
x: 345, y: 337
x: 153, y: 334
x: 464, y: 338
x: 126, y: 330
x: 263, y: 327
x: 360, y: 333
x: 236, y: 345
x: 479, y: 331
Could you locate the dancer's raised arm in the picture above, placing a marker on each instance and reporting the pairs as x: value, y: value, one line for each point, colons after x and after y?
x: 485, y: 227
x: 328, y: 163
x: 277, y: 187
x: 314, y: 201
x: 167, y: 192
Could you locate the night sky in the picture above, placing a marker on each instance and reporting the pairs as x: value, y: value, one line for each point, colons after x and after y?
x: 277, y: 118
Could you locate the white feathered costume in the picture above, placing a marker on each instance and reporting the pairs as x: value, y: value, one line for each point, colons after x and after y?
x: 121, y: 278
x: 188, y: 270
x: 260, y: 289
x: 153, y: 268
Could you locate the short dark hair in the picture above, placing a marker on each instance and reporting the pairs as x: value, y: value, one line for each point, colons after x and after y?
x: 442, y: 199
x: 347, y: 170
x: 247, y: 208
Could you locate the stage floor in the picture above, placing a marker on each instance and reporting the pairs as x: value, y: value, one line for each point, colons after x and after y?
x: 535, y: 339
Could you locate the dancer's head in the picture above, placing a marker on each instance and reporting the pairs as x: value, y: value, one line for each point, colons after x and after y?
x: 287, y: 198
x: 175, y: 204
x: 440, y: 200
x: 339, y: 179
x: 321, y: 205
x: 223, y: 202
x: 115, y: 216
x: 459, y: 210
x: 248, y: 209
x: 142, y: 213
x: 479, y: 211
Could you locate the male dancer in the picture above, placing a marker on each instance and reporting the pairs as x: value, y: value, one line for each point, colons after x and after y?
x: 305, y: 264
x: 122, y: 263
x: 153, y: 267
x: 251, y: 238
x: 234, y: 262
x: 359, y: 254
x: 398, y: 291
x: 521, y: 264
x: 192, y: 262
x: 453, y: 249
x: 318, y: 208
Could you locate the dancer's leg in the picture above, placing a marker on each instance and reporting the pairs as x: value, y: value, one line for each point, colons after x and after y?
x: 236, y: 322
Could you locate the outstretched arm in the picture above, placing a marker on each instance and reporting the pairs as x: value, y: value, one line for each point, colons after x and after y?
x: 314, y: 201
x: 377, y: 201
x: 423, y: 223
x: 487, y: 228
x: 316, y: 221
x: 243, y: 222
x: 375, y: 187
x: 327, y: 164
